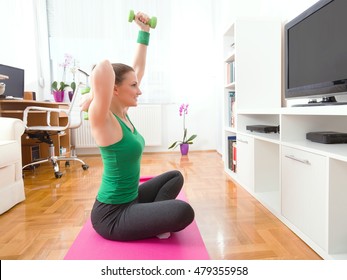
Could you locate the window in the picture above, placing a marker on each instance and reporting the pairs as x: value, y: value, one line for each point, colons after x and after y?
x: 181, y: 47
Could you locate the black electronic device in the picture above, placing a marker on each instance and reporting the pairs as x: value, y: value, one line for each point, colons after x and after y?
x: 15, y: 82
x: 327, y: 137
x: 315, y: 53
x: 263, y: 128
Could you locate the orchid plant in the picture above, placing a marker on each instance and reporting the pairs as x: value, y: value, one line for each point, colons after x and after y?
x: 62, y: 85
x: 183, y: 111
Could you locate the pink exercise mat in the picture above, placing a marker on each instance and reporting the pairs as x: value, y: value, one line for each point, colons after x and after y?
x: 184, y: 245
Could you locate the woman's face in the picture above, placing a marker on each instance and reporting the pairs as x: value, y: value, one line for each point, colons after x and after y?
x: 128, y: 90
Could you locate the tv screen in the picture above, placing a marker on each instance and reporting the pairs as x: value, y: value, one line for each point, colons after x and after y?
x: 15, y: 83
x: 316, y: 51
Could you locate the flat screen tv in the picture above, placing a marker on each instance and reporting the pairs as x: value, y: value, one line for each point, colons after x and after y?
x: 316, y: 53
x: 14, y: 85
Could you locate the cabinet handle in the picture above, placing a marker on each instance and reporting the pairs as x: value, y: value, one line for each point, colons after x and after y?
x: 242, y: 141
x: 305, y: 161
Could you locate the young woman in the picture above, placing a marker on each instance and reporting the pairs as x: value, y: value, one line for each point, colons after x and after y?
x: 123, y: 210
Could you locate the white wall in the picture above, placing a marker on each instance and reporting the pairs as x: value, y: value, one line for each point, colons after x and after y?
x: 285, y: 9
x: 193, y: 64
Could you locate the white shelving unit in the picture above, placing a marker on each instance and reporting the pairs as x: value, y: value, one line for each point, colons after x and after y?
x: 254, y: 47
x: 301, y: 182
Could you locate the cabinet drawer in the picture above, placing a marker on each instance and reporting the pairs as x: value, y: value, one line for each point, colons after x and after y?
x: 305, y: 192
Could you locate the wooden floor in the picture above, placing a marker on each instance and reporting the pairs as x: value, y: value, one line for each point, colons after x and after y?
x: 232, y: 223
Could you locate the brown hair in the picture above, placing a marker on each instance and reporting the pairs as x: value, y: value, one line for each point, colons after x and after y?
x: 120, y: 70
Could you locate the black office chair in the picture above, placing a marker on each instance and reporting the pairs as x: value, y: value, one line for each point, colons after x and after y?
x: 43, y: 133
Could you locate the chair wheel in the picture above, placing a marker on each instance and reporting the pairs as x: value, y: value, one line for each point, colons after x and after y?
x: 58, y: 174
x: 67, y: 164
x: 85, y: 166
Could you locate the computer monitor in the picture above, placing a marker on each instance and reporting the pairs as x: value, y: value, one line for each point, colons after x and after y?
x: 14, y: 84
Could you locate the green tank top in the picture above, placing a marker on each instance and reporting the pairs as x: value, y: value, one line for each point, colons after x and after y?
x: 121, y: 160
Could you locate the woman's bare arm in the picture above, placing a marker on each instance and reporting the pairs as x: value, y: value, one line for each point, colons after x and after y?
x: 102, y: 84
x: 139, y: 64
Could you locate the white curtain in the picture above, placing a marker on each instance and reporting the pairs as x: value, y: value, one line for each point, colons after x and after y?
x: 19, y: 43
x: 181, y: 50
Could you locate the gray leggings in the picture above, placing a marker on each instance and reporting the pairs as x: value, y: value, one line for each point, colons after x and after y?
x: 154, y: 212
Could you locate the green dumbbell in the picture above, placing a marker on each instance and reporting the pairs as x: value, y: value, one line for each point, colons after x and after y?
x: 152, y: 22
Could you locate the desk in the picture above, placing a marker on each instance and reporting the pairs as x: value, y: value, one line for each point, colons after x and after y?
x: 15, y: 109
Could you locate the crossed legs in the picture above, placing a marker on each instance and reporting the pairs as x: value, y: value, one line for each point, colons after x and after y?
x: 154, y: 212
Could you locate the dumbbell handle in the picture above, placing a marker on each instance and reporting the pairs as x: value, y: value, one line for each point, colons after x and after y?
x: 152, y: 22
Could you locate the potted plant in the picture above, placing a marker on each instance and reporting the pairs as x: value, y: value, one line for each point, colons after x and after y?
x: 58, y: 89
x: 184, y: 144
x: 58, y: 92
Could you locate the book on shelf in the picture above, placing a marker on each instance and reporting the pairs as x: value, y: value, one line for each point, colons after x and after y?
x: 232, y: 153
x: 230, y: 72
x: 231, y: 108
x: 234, y: 156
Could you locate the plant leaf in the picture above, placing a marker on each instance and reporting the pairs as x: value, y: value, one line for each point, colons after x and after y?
x: 62, y: 86
x: 192, y: 137
x: 184, y: 135
x: 55, y: 85
x: 174, y: 145
x: 73, y: 86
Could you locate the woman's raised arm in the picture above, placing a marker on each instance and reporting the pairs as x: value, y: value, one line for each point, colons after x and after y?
x: 139, y: 64
x: 102, y: 85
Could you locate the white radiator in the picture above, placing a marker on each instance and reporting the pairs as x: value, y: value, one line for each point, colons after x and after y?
x: 148, y: 121
x: 82, y: 137
x: 146, y: 118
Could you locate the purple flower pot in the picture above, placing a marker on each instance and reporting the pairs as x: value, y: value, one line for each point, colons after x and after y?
x: 58, y: 95
x: 70, y: 95
x: 184, y: 149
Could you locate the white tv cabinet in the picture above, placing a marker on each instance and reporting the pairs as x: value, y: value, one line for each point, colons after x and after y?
x: 301, y: 182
